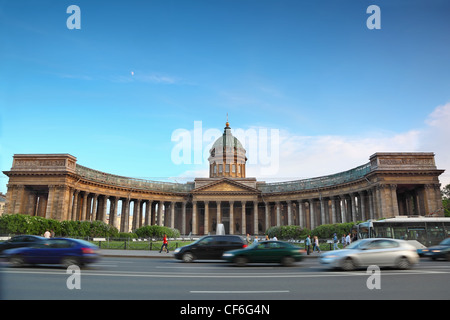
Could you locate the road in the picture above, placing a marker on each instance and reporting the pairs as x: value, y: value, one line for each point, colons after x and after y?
x: 168, y: 279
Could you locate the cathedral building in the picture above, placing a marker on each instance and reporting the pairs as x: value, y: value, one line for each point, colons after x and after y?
x: 389, y: 184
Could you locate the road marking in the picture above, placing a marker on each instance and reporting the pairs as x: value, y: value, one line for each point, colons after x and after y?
x: 222, y: 275
x: 237, y: 292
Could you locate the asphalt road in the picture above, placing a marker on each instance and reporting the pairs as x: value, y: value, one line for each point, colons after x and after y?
x: 168, y: 279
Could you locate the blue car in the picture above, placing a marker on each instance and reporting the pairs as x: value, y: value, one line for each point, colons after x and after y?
x: 441, y: 251
x: 63, y: 251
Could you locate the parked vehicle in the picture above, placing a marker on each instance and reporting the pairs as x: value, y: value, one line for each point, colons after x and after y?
x: 20, y: 241
x: 64, y: 251
x: 266, y: 252
x: 381, y: 252
x: 441, y: 251
x: 209, y: 248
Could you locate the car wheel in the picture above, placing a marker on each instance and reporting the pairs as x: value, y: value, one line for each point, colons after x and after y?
x: 348, y: 264
x: 188, y: 257
x: 69, y: 261
x: 240, y: 261
x: 403, y: 263
x: 287, y: 261
x: 17, y: 261
x: 447, y: 256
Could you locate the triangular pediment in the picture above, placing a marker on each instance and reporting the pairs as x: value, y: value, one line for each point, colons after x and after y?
x: 225, y: 186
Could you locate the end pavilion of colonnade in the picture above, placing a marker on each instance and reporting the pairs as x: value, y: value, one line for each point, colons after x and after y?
x: 390, y: 184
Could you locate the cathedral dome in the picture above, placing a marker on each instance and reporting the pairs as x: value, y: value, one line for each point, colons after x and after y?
x: 227, y: 156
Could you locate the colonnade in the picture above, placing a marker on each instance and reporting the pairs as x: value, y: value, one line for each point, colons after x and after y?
x: 191, y: 214
x: 202, y: 216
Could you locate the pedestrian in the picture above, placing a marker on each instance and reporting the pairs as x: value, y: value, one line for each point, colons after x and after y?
x: 47, y: 234
x: 348, y: 240
x: 256, y: 239
x: 335, y: 242
x: 316, y: 244
x: 164, y: 245
x: 308, y: 244
x: 267, y: 237
x: 343, y: 240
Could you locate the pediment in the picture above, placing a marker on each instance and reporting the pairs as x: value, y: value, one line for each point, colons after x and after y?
x: 225, y: 186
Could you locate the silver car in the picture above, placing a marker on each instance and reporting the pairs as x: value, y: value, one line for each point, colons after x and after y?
x: 376, y: 251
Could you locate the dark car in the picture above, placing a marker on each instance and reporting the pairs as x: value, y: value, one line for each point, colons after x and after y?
x: 266, y: 252
x: 441, y: 251
x: 209, y: 248
x: 64, y: 251
x: 20, y: 241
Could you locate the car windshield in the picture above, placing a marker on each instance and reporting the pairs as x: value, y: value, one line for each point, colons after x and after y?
x: 357, y: 244
x: 446, y: 242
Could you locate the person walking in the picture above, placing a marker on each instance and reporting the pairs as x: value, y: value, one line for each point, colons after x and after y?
x: 343, y: 241
x: 316, y: 244
x: 348, y: 240
x: 335, y: 242
x: 308, y: 244
x: 164, y: 245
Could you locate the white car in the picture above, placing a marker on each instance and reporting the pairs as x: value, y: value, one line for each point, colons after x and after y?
x: 381, y: 252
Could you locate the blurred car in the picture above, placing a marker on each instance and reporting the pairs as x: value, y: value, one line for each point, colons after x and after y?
x: 441, y: 251
x: 419, y: 247
x: 376, y: 251
x: 20, y: 241
x: 266, y: 252
x: 209, y: 247
x: 64, y: 251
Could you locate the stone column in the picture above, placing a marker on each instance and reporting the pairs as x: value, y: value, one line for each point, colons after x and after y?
x: 353, y: 202
x: 277, y: 204
x: 136, y: 214
x: 105, y: 209
x: 289, y: 210
x: 394, y: 202
x: 206, y: 223
x: 312, y: 218
x: 333, y: 211
x: 113, y: 211
x: 194, y: 218
x: 148, y: 212
x: 160, y: 213
x: 125, y: 217
x: 231, y: 217
x: 183, y: 217
x: 301, y: 214
x: 255, y: 217
x: 94, y: 207
x: 50, y: 201
x: 243, y: 219
x: 322, y: 211
x: 172, y: 214
x: 75, y: 216
x: 267, y: 215
x: 219, y: 212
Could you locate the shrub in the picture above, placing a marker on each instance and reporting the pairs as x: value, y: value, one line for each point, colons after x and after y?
x: 25, y: 224
x: 157, y: 232
x: 286, y: 232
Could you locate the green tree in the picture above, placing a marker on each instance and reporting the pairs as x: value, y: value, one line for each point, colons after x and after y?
x: 446, y: 200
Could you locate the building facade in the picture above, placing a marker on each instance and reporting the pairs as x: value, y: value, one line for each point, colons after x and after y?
x: 390, y: 184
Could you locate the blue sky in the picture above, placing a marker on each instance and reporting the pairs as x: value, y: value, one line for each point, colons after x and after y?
x: 113, y: 93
